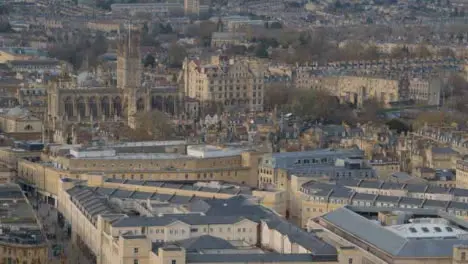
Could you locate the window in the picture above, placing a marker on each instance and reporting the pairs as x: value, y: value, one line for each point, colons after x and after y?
x: 449, y: 229
x: 425, y: 229
x: 463, y: 256
x: 135, y: 261
x: 413, y: 230
x: 173, y: 261
x: 135, y: 250
x: 350, y: 261
x: 437, y: 229
x: 194, y: 230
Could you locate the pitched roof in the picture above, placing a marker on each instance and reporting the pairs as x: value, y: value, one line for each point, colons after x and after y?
x: 388, y: 241
x: 204, y: 242
x: 190, y: 219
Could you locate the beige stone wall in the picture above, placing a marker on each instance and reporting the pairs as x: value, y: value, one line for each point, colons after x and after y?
x: 242, y: 84
x: 12, y: 125
x: 240, y: 169
x: 23, y: 253
x: 385, y: 170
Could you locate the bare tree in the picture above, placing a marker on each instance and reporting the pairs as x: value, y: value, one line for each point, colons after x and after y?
x: 370, y: 111
x: 154, y: 125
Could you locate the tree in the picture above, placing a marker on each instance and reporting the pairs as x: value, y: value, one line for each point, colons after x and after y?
x: 154, y: 125
x: 204, y: 30
x: 446, y: 52
x: 277, y: 96
x: 212, y: 107
x: 176, y: 55
x: 5, y: 27
x: 434, y: 118
x: 276, y: 25
x: 399, y: 52
x: 398, y: 125
x: 321, y: 106
x: 261, y: 51
x: 149, y: 61
x: 370, y: 111
x: 236, y: 50
x: 422, y: 52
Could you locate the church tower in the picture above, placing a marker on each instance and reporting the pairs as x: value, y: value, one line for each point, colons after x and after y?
x: 128, y: 58
x: 129, y: 69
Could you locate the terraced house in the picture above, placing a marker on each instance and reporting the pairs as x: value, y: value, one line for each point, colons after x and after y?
x: 321, y: 198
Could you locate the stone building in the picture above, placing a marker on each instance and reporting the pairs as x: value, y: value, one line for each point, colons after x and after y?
x: 236, y: 84
x: 151, y: 160
x: 22, y: 239
x: 87, y: 103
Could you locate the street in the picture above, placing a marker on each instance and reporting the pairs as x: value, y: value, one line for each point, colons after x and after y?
x: 59, y: 240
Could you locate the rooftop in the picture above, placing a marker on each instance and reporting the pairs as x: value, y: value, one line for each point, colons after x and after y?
x: 17, y: 218
x: 389, y: 239
x: 210, y: 151
x: 210, y: 186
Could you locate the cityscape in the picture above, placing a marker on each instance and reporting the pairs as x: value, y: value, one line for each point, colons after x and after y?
x: 233, y: 132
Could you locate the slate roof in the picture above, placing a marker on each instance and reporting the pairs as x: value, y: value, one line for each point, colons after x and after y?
x: 388, y: 241
x: 204, y: 242
x: 190, y: 219
x: 188, y: 185
x: 257, y: 258
x: 296, y: 235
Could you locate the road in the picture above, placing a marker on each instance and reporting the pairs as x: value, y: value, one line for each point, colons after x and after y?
x: 70, y: 252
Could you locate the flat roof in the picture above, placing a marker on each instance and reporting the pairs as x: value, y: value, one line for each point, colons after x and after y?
x: 18, y: 221
x: 139, y: 156
x: 210, y: 151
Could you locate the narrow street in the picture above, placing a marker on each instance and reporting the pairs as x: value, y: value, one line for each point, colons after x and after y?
x: 59, y: 240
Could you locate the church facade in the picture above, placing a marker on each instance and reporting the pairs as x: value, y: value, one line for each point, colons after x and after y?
x: 71, y: 103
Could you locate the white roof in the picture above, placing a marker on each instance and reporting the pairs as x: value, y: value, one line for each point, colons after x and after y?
x: 210, y: 151
x: 426, y: 230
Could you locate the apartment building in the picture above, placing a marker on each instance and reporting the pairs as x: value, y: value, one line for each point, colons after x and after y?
x: 163, y: 9
x: 104, y: 26
x: 227, y: 39
x: 426, y: 91
x: 320, y: 198
x: 273, y: 199
x: 153, y: 160
x: 20, y: 124
x: 462, y: 174
x: 9, y: 156
x: 378, y: 235
x: 356, y: 89
x: 22, y: 239
x: 236, y: 84
x: 274, y: 168
x: 182, y: 229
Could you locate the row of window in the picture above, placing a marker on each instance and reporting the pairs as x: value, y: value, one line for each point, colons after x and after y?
x: 313, y: 161
x: 192, y: 230
x: 457, y: 212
